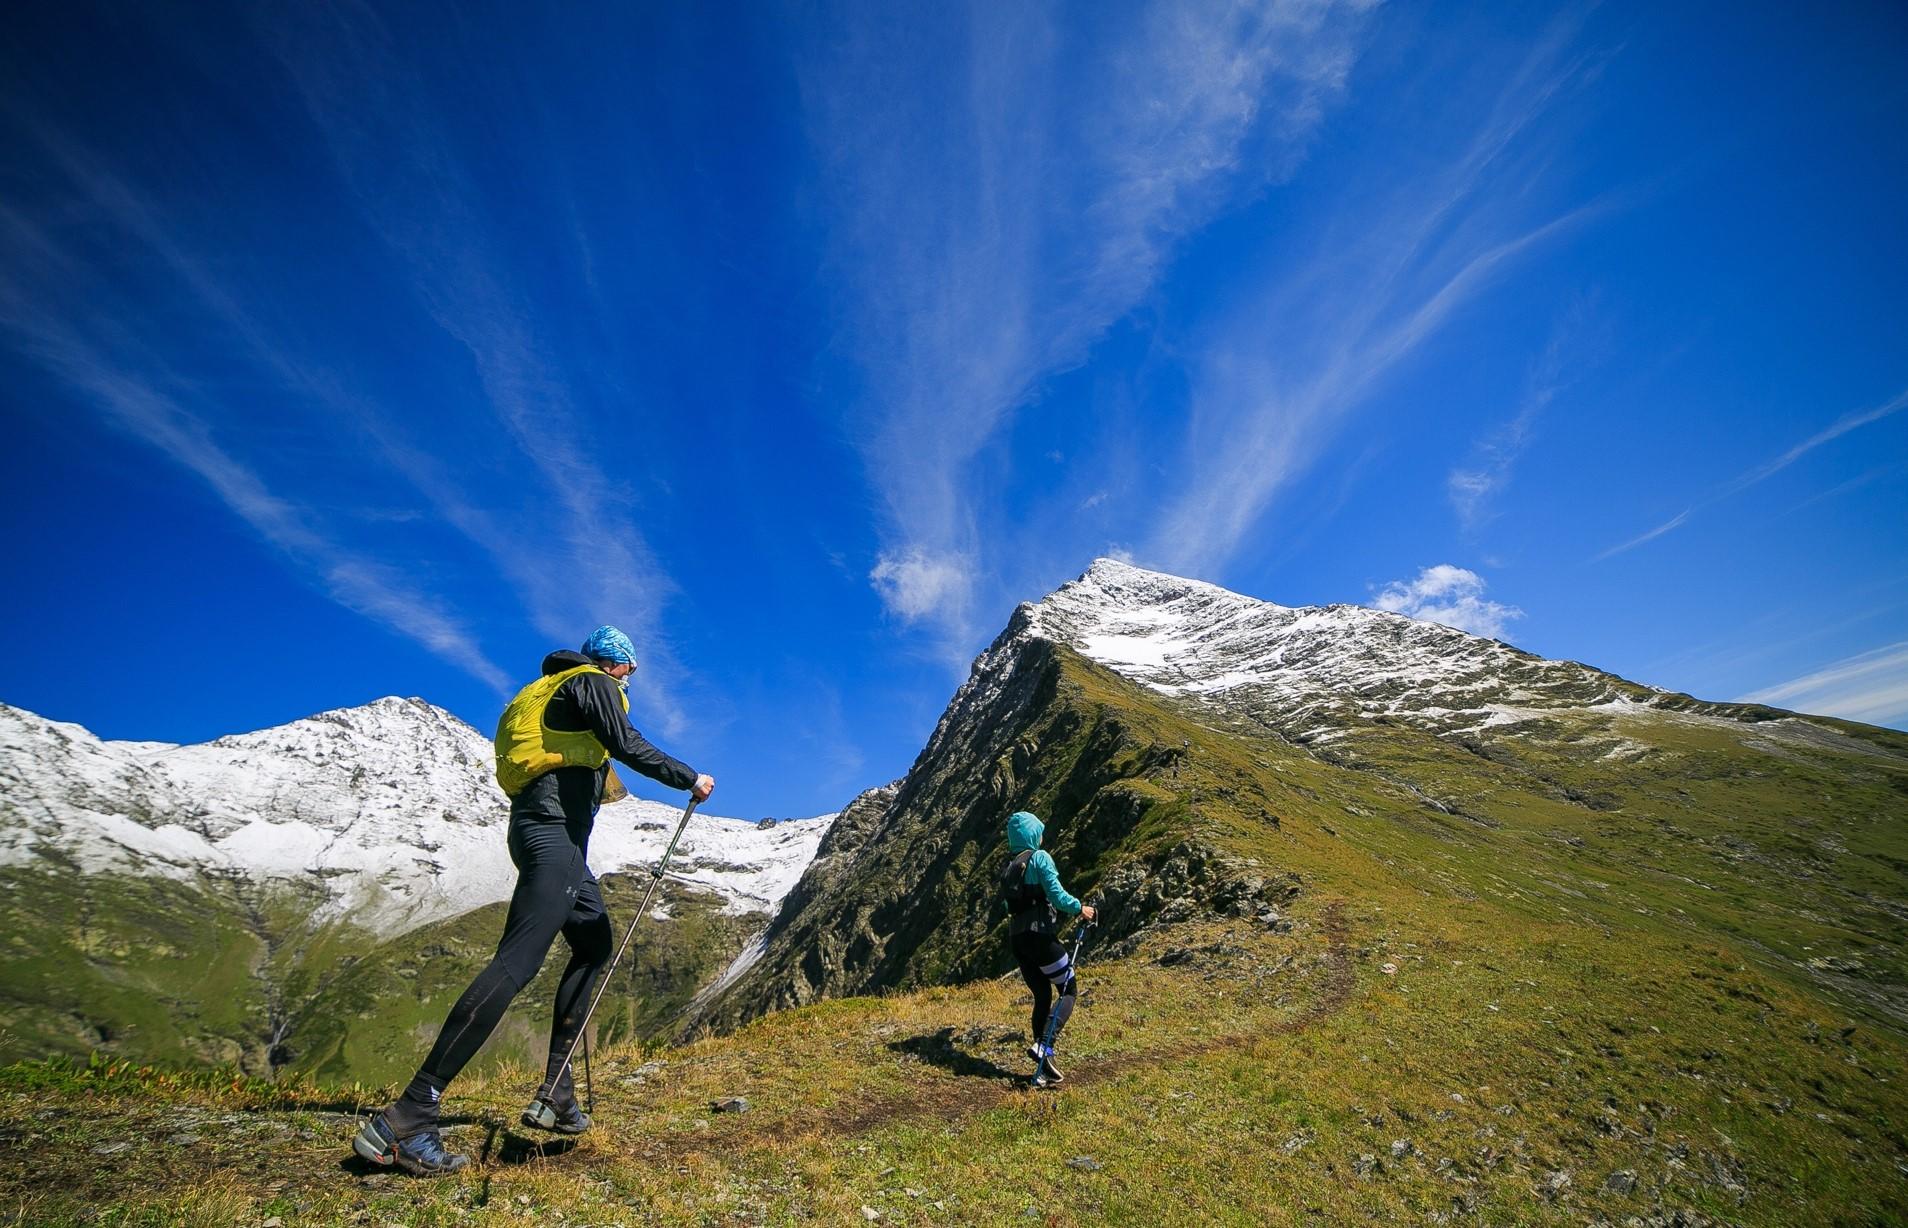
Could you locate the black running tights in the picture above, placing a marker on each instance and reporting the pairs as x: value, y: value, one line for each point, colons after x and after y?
x: 1045, y: 967
x: 556, y: 894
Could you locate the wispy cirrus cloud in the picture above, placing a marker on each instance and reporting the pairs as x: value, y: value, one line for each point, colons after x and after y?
x: 1474, y: 487
x: 112, y: 357
x: 389, y: 144
x: 139, y: 406
x: 1274, y: 381
x: 565, y: 515
x: 1852, y: 421
x: 1002, y: 191
x: 1450, y: 595
x: 1649, y: 535
x: 1870, y: 686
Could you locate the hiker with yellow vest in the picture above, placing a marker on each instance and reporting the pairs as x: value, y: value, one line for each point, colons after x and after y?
x: 554, y: 744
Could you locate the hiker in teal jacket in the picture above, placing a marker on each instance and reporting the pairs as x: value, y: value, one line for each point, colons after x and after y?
x: 1030, y: 886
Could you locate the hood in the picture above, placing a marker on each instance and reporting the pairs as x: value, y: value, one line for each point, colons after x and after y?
x: 1024, y: 832
x: 561, y: 660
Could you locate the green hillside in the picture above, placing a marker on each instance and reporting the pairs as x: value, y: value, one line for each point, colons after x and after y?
x: 215, y: 973
x: 374, y: 1019
x: 125, y: 964
x: 1387, y: 978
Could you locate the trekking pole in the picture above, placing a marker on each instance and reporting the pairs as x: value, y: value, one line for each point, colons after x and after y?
x: 656, y: 876
x: 1073, y: 968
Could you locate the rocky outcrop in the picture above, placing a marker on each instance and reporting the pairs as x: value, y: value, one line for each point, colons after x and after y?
x: 902, y: 893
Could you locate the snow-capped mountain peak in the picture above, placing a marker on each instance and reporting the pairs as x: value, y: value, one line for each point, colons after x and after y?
x: 1309, y: 670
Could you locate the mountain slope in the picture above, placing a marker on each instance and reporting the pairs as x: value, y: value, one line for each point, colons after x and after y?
x: 1194, y: 750
x: 386, y: 813
x: 1392, y: 1059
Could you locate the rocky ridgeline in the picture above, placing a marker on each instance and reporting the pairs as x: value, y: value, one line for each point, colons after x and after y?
x: 1310, y: 673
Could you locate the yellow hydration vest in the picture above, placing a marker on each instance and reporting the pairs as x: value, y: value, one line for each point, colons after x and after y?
x: 527, y: 748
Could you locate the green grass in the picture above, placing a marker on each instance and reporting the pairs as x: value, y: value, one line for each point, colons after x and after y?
x: 157, y: 967
x: 1246, y: 1085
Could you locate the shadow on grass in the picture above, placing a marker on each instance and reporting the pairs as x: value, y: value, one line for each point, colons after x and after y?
x: 940, y: 1049
x: 506, y: 1147
x: 516, y: 1149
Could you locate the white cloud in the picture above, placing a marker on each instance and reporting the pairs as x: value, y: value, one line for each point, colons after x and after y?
x: 390, y: 149
x: 388, y: 143
x: 1674, y: 522
x: 919, y: 585
x: 1835, y: 430
x: 1450, y: 595
x: 377, y: 591
x: 996, y: 213
x: 1871, y: 686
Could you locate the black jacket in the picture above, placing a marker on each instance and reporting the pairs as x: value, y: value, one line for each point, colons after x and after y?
x: 591, y: 701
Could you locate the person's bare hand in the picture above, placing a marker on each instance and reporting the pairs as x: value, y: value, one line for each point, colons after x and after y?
x: 1089, y: 912
x: 704, y: 786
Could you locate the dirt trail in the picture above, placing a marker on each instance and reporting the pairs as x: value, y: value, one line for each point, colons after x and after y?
x: 949, y: 1100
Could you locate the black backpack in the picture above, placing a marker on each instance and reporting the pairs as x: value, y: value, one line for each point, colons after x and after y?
x: 1025, y: 902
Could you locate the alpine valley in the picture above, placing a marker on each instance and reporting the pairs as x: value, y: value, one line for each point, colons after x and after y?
x: 1398, y: 924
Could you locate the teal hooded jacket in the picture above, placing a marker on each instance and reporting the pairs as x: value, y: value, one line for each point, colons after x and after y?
x: 1024, y: 832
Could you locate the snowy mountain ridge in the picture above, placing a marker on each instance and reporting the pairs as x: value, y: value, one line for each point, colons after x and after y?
x: 387, y: 811
x: 1312, y: 671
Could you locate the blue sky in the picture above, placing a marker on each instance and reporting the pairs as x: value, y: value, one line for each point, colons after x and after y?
x: 350, y: 351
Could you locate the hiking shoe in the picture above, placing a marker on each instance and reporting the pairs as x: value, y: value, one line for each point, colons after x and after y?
x: 1046, y: 1072
x: 421, y: 1154
x: 567, y: 1119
